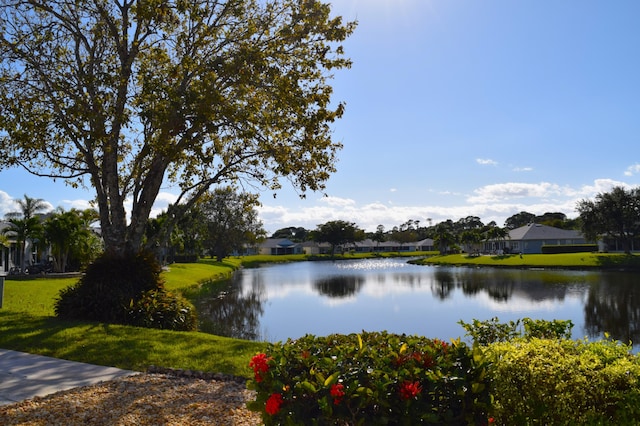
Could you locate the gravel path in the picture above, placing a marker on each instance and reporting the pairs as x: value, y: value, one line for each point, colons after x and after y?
x: 144, y: 399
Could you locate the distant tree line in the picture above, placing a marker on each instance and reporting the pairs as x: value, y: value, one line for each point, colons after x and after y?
x: 225, y: 221
x: 613, y: 215
x: 465, y: 232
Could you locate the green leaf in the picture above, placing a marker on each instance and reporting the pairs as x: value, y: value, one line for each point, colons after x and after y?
x: 308, y: 386
x: 332, y: 378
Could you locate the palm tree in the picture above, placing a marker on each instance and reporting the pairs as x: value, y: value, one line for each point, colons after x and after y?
x: 496, y: 234
x: 25, y: 225
x: 443, y: 237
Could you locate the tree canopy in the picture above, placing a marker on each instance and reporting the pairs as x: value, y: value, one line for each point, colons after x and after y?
x: 231, y: 221
x: 126, y: 95
x: 338, y: 233
x: 614, y: 214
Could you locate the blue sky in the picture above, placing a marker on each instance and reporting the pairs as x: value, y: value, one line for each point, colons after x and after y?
x: 463, y: 107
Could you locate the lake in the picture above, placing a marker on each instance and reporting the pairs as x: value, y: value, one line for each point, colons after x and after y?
x: 289, y: 300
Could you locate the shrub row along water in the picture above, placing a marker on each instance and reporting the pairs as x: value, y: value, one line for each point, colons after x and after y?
x: 532, y: 375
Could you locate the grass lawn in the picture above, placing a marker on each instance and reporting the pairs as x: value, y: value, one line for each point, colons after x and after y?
x: 27, y: 324
x: 565, y: 260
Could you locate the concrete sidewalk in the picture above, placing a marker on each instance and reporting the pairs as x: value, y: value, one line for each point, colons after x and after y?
x: 24, y: 376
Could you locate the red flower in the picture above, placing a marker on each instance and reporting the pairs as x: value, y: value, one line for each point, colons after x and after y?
x: 337, y: 393
x: 410, y: 390
x: 491, y: 420
x: 273, y: 404
x: 259, y: 365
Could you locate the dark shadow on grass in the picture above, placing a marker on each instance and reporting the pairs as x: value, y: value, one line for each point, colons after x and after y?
x: 131, y: 348
x: 620, y: 262
x: 502, y: 256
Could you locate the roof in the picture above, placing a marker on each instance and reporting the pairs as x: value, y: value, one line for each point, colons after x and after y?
x: 536, y: 231
x: 277, y: 242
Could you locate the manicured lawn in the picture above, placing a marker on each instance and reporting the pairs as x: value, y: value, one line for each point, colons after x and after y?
x: 27, y: 321
x: 567, y: 260
x: 27, y: 324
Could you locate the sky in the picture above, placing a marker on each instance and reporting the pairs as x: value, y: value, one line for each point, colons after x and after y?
x: 459, y: 108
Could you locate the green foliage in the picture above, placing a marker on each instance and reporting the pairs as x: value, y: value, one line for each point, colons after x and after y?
x: 196, y: 92
x: 492, y: 330
x: 125, y: 290
x: 561, y: 382
x: 370, y: 378
x: 613, y: 214
x: 72, y: 242
x: 570, y: 248
x: 27, y: 324
x: 163, y: 310
x: 230, y: 220
x: 338, y: 233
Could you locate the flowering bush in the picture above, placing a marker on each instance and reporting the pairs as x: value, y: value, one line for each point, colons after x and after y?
x: 370, y: 378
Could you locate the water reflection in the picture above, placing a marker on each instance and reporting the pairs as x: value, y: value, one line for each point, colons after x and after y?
x: 339, y: 286
x: 281, y: 301
x: 232, y: 313
x: 614, y: 305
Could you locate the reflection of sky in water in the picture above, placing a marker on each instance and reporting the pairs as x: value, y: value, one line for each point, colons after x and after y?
x: 389, y: 294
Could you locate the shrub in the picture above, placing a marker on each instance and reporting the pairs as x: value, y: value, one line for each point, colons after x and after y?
x: 544, y: 381
x: 164, y: 310
x: 125, y: 290
x: 370, y: 378
x: 492, y: 330
x: 569, y: 248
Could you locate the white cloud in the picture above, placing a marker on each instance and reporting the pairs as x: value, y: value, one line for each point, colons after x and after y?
x: 7, y: 204
x: 490, y: 203
x: 337, y: 201
x: 486, y: 162
x: 510, y: 190
x: 632, y: 170
x: 523, y: 169
x: 78, y: 204
x: 600, y: 186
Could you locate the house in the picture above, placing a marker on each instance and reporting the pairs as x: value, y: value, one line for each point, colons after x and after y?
x: 530, y: 239
x: 285, y: 246
x: 11, y: 255
x: 280, y: 246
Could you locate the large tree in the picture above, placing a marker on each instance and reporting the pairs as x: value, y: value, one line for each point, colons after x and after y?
x: 231, y: 221
x: 614, y: 214
x: 338, y: 233
x: 127, y: 94
x: 519, y: 219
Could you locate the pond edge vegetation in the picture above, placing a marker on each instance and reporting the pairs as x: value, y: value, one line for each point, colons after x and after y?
x: 609, y: 364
